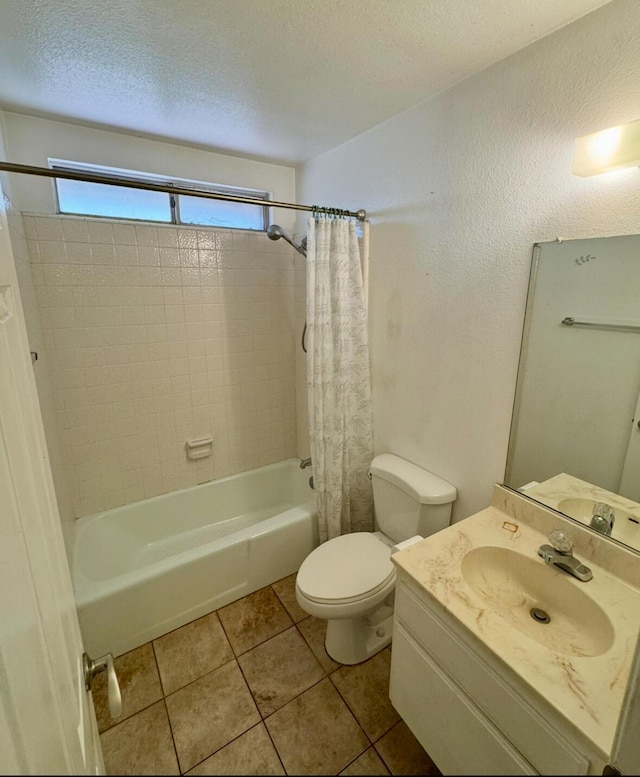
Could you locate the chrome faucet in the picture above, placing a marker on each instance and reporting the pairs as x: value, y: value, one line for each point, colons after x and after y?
x: 304, y: 463
x: 560, y: 554
x: 602, y: 518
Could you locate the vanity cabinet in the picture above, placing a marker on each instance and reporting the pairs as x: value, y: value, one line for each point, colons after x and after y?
x: 467, y: 709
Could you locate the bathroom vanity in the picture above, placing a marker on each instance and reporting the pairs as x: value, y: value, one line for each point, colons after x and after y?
x: 485, y: 683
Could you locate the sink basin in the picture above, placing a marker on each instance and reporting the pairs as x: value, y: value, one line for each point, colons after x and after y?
x: 625, y: 529
x: 511, y: 584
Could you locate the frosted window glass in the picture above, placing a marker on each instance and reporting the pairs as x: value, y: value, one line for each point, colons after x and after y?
x: 219, y: 213
x: 99, y: 199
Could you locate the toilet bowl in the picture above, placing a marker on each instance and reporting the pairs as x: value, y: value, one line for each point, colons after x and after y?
x: 349, y: 581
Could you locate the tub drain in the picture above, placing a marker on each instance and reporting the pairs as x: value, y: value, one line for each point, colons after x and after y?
x: 539, y: 616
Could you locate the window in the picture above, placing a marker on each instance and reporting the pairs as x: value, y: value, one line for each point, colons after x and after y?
x: 81, y: 198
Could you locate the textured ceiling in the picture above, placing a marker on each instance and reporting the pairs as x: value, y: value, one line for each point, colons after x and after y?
x: 279, y: 80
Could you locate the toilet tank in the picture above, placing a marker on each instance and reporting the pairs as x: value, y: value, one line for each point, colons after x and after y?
x: 409, y: 500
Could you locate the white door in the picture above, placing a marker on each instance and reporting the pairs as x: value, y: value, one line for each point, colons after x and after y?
x: 625, y: 755
x: 47, y: 720
x: 630, y: 481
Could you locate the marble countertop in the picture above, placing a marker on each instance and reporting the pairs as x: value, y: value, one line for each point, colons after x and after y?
x: 587, y: 691
x: 570, y: 490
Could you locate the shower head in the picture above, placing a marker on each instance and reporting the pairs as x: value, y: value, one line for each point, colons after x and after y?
x: 275, y: 232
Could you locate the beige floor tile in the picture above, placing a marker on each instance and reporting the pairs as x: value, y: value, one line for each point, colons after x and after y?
x: 254, y: 619
x: 286, y: 592
x: 314, y: 630
x: 208, y: 713
x: 141, y: 744
x: 315, y: 733
x: 139, y: 686
x: 403, y: 754
x: 251, y: 753
x: 369, y: 763
x: 190, y: 652
x: 365, y: 688
x: 279, y: 670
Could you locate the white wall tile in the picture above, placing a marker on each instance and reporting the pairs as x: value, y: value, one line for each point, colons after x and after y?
x: 75, y: 230
x: 146, y: 236
x: 124, y: 234
x: 48, y: 228
x: 51, y: 251
x: 169, y: 257
x: 103, y: 254
x: 145, y: 341
x: 148, y: 256
x: 100, y: 231
x: 78, y: 253
x: 167, y: 236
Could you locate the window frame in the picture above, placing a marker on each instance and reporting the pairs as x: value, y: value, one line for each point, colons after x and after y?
x: 174, y: 197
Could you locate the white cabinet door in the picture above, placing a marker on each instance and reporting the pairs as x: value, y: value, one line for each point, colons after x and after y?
x: 625, y: 755
x: 47, y: 721
x: 630, y: 480
x: 459, y: 738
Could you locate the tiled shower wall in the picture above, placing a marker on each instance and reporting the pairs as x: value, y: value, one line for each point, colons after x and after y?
x: 42, y: 370
x: 160, y: 334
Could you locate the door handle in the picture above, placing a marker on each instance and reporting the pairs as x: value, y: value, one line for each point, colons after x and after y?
x: 105, y: 663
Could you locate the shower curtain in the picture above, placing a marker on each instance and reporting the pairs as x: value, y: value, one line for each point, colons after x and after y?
x: 338, y: 378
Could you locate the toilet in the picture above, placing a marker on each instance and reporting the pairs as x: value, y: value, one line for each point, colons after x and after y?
x: 349, y: 581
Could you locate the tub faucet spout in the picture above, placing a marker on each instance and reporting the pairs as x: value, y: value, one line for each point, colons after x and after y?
x: 304, y: 463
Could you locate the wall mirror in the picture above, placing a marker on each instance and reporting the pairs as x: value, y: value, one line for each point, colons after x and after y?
x: 575, y: 433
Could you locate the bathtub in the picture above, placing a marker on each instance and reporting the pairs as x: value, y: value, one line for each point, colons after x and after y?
x: 149, y: 567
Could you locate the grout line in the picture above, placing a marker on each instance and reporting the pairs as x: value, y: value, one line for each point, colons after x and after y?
x: 236, y: 655
x: 370, y: 747
x: 380, y: 755
x: 273, y: 744
x: 350, y: 710
x: 155, y: 658
x: 173, y: 739
x: 206, y: 674
x: 255, y: 725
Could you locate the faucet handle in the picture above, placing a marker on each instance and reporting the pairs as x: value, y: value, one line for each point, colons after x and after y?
x: 560, y: 541
x: 603, y: 510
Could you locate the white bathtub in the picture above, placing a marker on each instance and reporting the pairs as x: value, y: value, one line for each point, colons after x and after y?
x: 152, y: 566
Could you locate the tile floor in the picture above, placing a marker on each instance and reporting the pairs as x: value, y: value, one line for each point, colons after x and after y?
x: 250, y: 689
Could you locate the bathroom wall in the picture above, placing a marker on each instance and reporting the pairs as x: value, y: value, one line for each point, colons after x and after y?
x: 42, y: 371
x: 17, y: 247
x: 157, y: 335
x: 31, y: 141
x: 458, y: 189
x: 154, y: 335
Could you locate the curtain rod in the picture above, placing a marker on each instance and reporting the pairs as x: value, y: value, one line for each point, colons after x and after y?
x: 77, y: 175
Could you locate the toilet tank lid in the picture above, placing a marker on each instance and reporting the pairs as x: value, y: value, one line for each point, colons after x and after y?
x: 422, y: 485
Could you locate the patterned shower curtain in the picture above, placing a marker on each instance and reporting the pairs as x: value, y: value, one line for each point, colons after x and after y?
x: 338, y: 378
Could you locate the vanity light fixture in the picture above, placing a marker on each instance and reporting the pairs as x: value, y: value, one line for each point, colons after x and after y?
x: 610, y: 149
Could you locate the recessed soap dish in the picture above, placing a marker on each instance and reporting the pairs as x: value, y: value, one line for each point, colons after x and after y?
x: 199, y: 448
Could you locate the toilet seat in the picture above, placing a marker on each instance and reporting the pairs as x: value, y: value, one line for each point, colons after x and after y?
x: 346, y: 569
